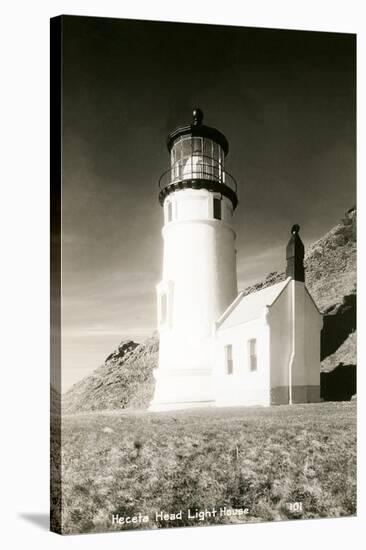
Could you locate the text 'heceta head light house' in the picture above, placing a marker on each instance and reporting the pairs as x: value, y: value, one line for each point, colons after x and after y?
x: 215, y: 345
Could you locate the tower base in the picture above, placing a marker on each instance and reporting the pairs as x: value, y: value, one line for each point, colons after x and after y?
x: 161, y: 407
x: 182, y: 389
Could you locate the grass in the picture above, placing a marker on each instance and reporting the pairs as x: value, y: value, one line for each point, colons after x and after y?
x: 261, y: 458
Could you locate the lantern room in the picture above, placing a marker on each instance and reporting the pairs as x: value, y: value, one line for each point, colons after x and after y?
x: 197, y: 161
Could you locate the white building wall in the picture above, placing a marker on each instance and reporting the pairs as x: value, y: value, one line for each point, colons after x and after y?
x: 306, y: 365
x: 198, y: 284
x: 199, y: 271
x: 299, y: 374
x: 295, y: 346
x: 313, y: 327
x: 280, y: 346
x: 243, y: 387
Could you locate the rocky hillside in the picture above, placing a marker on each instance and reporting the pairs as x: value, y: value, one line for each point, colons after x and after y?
x: 330, y: 271
x: 330, y: 265
x: 55, y: 401
x: 126, y: 379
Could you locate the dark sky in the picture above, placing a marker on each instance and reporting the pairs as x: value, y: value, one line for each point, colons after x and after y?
x: 284, y: 99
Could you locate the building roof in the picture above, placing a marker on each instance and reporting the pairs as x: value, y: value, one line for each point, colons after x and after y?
x: 250, y: 307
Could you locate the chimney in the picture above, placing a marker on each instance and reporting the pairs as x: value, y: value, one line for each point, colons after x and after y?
x: 295, y: 256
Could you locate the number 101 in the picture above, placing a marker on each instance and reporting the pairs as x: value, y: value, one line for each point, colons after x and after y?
x: 294, y: 506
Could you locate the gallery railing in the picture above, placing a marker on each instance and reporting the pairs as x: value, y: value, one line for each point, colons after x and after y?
x: 197, y: 168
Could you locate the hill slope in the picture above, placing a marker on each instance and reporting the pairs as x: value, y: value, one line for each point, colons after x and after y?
x: 330, y: 266
x: 330, y: 271
x: 126, y: 380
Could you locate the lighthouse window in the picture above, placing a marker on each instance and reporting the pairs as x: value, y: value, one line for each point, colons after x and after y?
x: 207, y: 148
x: 177, y: 151
x: 216, y: 160
x: 229, y: 359
x: 197, y: 145
x: 207, y: 158
x: 252, y: 352
x: 175, y: 162
x: 187, y: 147
x: 217, y: 209
x: 216, y: 150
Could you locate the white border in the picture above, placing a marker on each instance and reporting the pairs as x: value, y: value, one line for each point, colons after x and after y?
x: 24, y: 267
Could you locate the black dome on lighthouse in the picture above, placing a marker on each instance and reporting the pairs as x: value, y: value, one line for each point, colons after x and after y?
x: 200, y: 130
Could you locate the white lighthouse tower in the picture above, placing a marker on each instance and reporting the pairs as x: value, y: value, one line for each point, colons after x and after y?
x: 199, y: 265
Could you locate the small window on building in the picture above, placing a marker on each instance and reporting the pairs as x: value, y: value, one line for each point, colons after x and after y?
x: 217, y: 209
x: 169, y: 212
x: 163, y: 308
x: 229, y: 359
x: 252, y: 354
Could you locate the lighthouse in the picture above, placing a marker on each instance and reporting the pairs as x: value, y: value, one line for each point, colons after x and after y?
x: 199, y: 282
x: 218, y: 347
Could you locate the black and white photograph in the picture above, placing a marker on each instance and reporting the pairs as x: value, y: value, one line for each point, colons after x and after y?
x: 203, y: 274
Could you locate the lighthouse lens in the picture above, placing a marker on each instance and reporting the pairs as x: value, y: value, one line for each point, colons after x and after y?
x: 177, y: 151
x: 196, y: 157
x: 207, y: 148
x: 187, y: 147
x: 197, y: 145
x: 207, y: 158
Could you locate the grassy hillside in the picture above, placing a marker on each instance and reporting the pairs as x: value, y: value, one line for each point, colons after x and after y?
x: 124, y: 462
x: 345, y: 354
x: 55, y: 401
x: 126, y: 380
x: 330, y: 266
